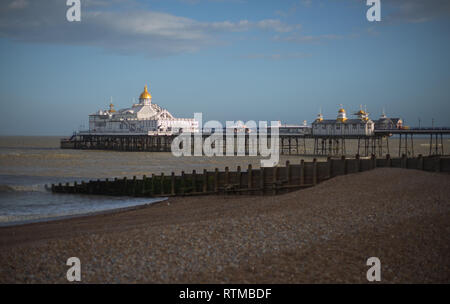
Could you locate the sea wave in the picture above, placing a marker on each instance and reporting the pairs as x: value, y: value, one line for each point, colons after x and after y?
x: 22, y: 188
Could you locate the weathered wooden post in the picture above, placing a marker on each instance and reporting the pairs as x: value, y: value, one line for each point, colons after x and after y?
x: 330, y: 166
x: 437, y: 163
x: 302, y: 172
x: 107, y: 186
x: 227, y: 176
x: 183, y: 183
x: 239, y: 176
x: 144, y: 181
x: 152, y: 185
x: 205, y: 181
x: 420, y: 162
x: 250, y: 177
x: 261, y: 180
x: 373, y: 161
x: 172, y: 183
x: 344, y: 164
x: 388, y: 160
x: 125, y: 186
x: 314, y: 177
x: 216, y: 180
x: 403, y: 161
x: 274, y: 180
x: 133, y: 189
x: 98, y: 187
x: 358, y: 163
x: 194, y: 181
x: 288, y: 172
x: 162, y: 183
x: 91, y: 186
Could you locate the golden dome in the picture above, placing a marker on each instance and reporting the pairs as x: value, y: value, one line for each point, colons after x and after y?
x: 145, y: 94
x: 341, y: 110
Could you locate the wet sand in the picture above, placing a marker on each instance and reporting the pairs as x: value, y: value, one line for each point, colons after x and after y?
x: 317, y: 235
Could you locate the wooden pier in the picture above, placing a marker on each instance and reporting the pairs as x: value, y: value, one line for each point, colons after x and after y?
x: 263, y: 181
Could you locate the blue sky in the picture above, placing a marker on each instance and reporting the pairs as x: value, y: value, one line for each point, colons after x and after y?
x: 229, y: 59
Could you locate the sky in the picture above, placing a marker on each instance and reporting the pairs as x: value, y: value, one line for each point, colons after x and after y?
x: 228, y: 59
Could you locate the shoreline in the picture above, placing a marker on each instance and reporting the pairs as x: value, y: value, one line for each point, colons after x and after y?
x: 80, y: 215
x: 322, y: 234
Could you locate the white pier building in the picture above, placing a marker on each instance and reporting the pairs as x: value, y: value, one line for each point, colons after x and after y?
x: 342, y: 126
x: 144, y: 117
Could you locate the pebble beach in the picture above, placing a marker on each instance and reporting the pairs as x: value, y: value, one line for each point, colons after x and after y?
x: 323, y: 234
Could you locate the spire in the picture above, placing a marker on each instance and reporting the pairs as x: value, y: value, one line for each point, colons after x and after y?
x: 145, y: 95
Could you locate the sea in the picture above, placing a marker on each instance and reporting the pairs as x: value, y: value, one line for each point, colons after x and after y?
x: 29, y: 163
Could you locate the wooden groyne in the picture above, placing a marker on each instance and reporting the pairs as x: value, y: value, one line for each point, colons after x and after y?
x: 269, y: 180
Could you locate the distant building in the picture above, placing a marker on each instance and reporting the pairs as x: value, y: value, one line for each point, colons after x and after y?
x: 286, y: 129
x: 143, y: 117
x: 386, y: 123
x: 342, y: 126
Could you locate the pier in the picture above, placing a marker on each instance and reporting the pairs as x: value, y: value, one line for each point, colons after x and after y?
x: 290, y: 143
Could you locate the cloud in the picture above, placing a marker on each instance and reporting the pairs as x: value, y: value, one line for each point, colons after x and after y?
x: 277, y: 56
x: 301, y: 38
x: 306, y: 3
x: 18, y: 4
x: 120, y: 26
x: 417, y: 11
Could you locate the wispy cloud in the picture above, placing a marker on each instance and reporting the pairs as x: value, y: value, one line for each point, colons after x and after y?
x: 277, y: 56
x: 301, y: 38
x: 417, y: 11
x: 131, y: 29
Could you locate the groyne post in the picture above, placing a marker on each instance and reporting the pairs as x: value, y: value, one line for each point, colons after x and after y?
x: 172, y: 183
x: 314, y: 177
x: 216, y: 180
x: 152, y: 185
x: 261, y: 180
x: 239, y: 177
x: 250, y: 177
x: 288, y: 172
x: 162, y: 183
x: 358, y: 163
x: 302, y: 172
x: 403, y: 162
x: 194, y: 181
x: 330, y: 167
x: 144, y: 182
x: 437, y: 163
x: 420, y: 162
x: 205, y: 181
x: 344, y: 164
x: 274, y: 180
x: 183, y: 183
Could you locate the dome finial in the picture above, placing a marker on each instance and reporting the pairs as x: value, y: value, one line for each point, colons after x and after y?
x: 145, y: 94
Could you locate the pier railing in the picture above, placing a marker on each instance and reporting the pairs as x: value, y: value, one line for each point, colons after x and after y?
x: 262, y: 181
